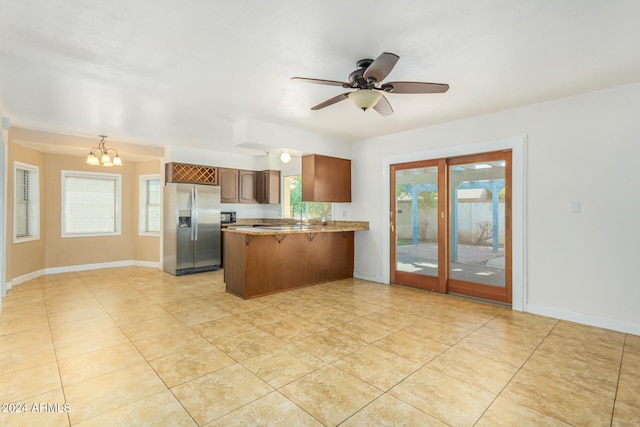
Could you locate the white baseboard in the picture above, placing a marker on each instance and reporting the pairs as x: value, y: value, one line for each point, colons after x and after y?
x: 82, y: 267
x: 586, y: 319
x: 366, y: 277
x: 149, y: 264
x: 87, y: 267
x: 25, y: 278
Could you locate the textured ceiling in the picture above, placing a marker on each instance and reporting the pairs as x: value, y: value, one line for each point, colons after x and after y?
x: 181, y: 73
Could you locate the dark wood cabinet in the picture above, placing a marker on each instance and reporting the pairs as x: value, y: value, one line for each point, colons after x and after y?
x: 268, y: 186
x: 247, y: 186
x: 326, y: 179
x: 228, y: 179
x: 265, y: 264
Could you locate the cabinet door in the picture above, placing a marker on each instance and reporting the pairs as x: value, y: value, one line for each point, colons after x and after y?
x: 268, y: 186
x: 247, y: 192
x: 326, y: 179
x: 228, y: 179
x: 262, y: 195
x: 273, y: 187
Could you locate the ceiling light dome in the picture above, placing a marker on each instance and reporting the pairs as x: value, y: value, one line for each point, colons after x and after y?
x: 365, y: 98
x: 285, y: 157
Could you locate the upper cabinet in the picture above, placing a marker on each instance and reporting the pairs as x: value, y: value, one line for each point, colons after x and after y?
x: 236, y: 185
x: 268, y: 186
x: 247, y: 186
x: 228, y: 179
x: 326, y: 179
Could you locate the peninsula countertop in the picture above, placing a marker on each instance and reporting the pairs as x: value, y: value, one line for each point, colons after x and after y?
x: 284, y: 227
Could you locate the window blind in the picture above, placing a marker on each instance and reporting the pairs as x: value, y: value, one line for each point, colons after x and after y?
x: 91, y: 204
x: 152, y: 206
x: 27, y: 203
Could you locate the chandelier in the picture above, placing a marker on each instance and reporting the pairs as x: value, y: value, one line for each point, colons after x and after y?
x: 100, y: 155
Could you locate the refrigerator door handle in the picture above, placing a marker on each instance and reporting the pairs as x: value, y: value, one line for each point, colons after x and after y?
x: 194, y: 214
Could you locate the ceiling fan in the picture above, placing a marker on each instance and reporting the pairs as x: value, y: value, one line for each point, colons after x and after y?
x: 367, y: 82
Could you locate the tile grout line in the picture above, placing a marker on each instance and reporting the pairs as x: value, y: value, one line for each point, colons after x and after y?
x: 151, y: 366
x: 55, y: 352
x: 108, y: 312
x: 514, y: 375
x: 239, y: 362
x: 615, y: 396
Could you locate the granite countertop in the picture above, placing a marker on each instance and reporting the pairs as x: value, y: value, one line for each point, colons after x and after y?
x: 272, y: 227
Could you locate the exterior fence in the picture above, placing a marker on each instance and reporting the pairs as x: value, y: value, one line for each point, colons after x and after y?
x: 474, y: 222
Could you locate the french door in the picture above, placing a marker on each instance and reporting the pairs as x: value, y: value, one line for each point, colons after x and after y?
x: 450, y: 225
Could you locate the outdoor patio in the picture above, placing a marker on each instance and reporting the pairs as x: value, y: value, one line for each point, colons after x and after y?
x: 479, y: 264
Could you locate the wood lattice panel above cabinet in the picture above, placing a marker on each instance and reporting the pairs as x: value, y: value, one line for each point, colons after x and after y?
x: 193, y: 174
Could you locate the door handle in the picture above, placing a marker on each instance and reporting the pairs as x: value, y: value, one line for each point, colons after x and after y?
x: 391, y: 227
x: 195, y: 211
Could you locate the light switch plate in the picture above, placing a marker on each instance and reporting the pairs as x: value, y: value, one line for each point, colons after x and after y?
x: 575, y: 207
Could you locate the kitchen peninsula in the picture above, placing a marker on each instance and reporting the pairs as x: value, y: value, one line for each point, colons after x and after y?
x: 276, y: 257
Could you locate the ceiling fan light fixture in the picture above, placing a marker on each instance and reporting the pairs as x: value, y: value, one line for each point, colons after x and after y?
x: 365, y: 98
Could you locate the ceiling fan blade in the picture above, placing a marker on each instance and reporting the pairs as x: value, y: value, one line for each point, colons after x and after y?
x: 322, y: 82
x: 383, y: 107
x: 415, y: 87
x: 381, y: 67
x: 331, y: 101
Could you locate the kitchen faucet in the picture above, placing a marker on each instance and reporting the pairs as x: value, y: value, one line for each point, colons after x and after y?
x: 300, y: 205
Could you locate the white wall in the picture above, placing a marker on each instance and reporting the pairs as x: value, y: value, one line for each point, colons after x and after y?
x: 581, y: 149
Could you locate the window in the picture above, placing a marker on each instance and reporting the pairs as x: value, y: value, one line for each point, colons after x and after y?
x: 149, y: 220
x: 90, y: 204
x: 294, y: 207
x: 26, y: 215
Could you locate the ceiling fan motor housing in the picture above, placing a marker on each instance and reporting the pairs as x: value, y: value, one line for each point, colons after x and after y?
x: 356, y: 77
x: 364, y: 63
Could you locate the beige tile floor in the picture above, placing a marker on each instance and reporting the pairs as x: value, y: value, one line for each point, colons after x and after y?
x: 136, y: 346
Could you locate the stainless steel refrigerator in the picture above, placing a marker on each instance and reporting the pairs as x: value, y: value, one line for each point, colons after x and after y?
x: 191, y: 237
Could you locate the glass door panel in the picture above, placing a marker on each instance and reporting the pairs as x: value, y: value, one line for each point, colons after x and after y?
x: 477, y: 222
x: 479, y: 200
x: 415, y: 224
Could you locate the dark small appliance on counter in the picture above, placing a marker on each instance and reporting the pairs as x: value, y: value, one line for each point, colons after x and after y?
x: 227, y: 217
